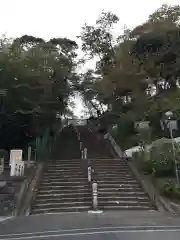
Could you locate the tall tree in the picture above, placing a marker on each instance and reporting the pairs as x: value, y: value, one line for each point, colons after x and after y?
x: 36, y: 76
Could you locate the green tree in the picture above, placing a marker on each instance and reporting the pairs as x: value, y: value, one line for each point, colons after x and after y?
x: 37, y: 77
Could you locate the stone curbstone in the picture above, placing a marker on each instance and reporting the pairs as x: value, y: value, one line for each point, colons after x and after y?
x: 31, y: 193
x: 160, y: 202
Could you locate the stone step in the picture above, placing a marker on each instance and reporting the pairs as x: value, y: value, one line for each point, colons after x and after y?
x: 118, y: 185
x: 64, y: 166
x: 63, y: 187
x: 123, y: 202
x: 56, y: 191
x: 64, y: 174
x: 64, y: 178
x: 65, y: 183
x: 113, y: 166
x: 125, y: 207
x: 74, y: 203
x: 121, y: 194
x: 57, y: 180
x: 118, y: 181
x: 62, y: 163
x: 123, y: 198
x: 59, y: 167
x: 78, y: 170
x: 63, y: 194
x: 113, y: 176
x: 110, y: 171
x: 88, y: 198
x: 71, y: 160
x: 110, y: 168
x: 69, y: 172
x: 110, y: 163
x: 120, y: 189
x: 54, y: 166
x: 62, y: 209
x: 72, y: 198
x: 107, y: 161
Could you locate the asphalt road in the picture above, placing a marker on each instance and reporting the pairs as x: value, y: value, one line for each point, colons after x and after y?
x: 112, y: 225
x: 100, y: 233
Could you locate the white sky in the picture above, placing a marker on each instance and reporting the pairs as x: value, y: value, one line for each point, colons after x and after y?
x: 64, y: 18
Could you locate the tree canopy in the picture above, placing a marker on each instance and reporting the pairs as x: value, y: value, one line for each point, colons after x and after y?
x: 139, y: 71
x: 136, y: 75
x: 35, y: 81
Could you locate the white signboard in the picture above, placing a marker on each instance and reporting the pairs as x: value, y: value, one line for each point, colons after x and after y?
x: 172, y: 124
x: 142, y: 125
x: 77, y: 122
x: 15, y: 156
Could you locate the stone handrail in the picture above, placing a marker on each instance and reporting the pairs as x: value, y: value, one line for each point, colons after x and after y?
x: 32, y: 190
x: 115, y: 146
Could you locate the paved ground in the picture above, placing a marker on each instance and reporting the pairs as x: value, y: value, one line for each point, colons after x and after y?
x: 4, y: 218
x: 111, y: 225
x: 101, y: 233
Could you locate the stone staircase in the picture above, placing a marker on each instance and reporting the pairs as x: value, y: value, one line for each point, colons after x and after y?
x: 64, y: 187
x: 97, y: 147
x: 117, y: 187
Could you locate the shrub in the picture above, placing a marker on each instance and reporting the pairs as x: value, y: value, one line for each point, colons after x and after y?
x: 158, y: 160
x: 124, y: 133
x: 143, y: 160
x: 177, y: 191
x: 166, y: 187
x: 148, y: 163
x: 162, y: 158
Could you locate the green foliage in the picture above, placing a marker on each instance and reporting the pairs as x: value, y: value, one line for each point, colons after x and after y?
x: 143, y: 161
x: 163, y: 158
x: 177, y: 191
x: 37, y: 76
x: 159, y: 159
x: 124, y: 133
x: 166, y: 187
x: 143, y: 60
x: 144, y: 136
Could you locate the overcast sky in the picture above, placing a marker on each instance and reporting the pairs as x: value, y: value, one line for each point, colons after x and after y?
x: 64, y: 18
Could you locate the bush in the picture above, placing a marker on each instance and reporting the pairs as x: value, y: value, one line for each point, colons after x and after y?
x: 166, y: 187
x: 124, y: 133
x: 162, y: 159
x: 158, y: 160
x: 177, y: 191
x: 143, y: 160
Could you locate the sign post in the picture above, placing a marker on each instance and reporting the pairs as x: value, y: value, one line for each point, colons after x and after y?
x: 1, y: 165
x: 29, y: 156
